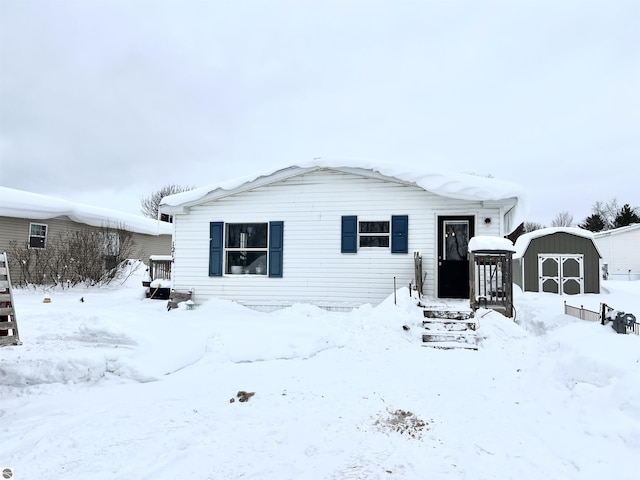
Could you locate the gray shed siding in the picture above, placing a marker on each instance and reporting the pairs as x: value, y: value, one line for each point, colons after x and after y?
x: 526, y: 273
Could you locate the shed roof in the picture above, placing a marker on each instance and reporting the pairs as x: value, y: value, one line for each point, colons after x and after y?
x: 523, y: 241
x: 21, y: 204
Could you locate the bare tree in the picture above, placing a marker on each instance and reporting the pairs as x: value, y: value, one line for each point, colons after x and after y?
x: 532, y: 226
x: 563, y: 219
x: 150, y: 205
x: 608, y: 211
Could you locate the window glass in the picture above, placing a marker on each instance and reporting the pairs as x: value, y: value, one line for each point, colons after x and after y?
x: 246, y: 248
x: 246, y: 235
x: 374, y: 234
x: 456, y: 245
x: 378, y: 241
x: 374, y: 227
x: 37, y: 235
x: 111, y: 243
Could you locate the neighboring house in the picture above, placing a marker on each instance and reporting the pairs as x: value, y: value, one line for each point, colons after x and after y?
x: 562, y: 260
x: 620, y: 251
x: 334, y: 236
x: 33, y: 221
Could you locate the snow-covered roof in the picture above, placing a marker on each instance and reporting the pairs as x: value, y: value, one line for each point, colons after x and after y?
x: 447, y: 184
x: 522, y: 243
x: 617, y: 231
x: 487, y: 242
x: 21, y: 204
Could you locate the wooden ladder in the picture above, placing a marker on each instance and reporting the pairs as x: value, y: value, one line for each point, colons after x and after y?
x: 8, y: 323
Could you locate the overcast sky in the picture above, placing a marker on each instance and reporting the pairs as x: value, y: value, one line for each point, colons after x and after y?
x: 106, y: 101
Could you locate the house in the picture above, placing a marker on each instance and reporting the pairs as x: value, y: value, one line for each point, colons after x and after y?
x: 31, y: 223
x: 333, y: 235
x: 621, y: 256
x: 563, y: 260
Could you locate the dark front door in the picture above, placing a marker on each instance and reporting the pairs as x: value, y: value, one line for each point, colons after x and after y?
x: 454, y: 233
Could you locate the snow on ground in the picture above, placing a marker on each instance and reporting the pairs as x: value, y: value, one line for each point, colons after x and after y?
x: 117, y: 387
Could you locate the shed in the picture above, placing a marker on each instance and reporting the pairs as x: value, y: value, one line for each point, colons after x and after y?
x: 620, y: 253
x: 563, y: 260
x: 333, y: 234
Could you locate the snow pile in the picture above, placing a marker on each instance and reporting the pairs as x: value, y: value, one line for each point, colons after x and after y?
x: 485, y: 242
x: 440, y: 182
x: 20, y: 204
x: 116, y: 386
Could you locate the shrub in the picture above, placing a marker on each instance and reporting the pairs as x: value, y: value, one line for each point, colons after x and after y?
x: 89, y: 256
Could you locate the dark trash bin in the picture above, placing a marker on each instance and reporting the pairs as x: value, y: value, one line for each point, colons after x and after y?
x: 160, y: 293
x: 622, y: 321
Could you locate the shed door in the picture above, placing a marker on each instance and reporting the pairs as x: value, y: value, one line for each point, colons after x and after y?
x: 563, y: 274
x: 453, y: 256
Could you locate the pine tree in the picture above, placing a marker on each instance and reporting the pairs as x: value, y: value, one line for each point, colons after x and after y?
x: 593, y: 223
x: 626, y: 216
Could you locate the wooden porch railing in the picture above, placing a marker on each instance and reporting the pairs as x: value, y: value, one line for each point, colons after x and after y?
x: 417, y: 272
x: 490, y: 280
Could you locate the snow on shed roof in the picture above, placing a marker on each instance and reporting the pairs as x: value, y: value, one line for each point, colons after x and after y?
x: 522, y: 243
x: 447, y: 184
x: 21, y: 204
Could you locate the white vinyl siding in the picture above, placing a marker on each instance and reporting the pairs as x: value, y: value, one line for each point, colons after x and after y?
x: 314, y: 270
x: 620, y: 252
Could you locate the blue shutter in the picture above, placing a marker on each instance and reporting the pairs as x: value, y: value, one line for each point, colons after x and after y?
x: 276, y: 234
x: 400, y: 234
x: 215, y: 248
x: 349, y: 234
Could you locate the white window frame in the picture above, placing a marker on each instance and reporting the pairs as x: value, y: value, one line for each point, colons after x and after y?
x: 362, y: 234
x: 33, y: 236
x: 246, y: 253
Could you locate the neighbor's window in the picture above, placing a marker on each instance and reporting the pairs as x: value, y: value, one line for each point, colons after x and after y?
x: 374, y: 234
x: 246, y: 248
x: 111, y: 249
x: 37, y: 235
x: 111, y: 243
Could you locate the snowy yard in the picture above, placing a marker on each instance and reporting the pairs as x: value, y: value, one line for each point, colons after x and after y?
x: 117, y: 387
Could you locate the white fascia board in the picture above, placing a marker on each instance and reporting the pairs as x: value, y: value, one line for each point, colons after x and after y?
x: 617, y: 231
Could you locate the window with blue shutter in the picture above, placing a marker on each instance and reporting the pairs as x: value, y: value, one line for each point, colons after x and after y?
x: 349, y: 234
x: 216, y: 230
x: 400, y: 234
x: 276, y: 251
